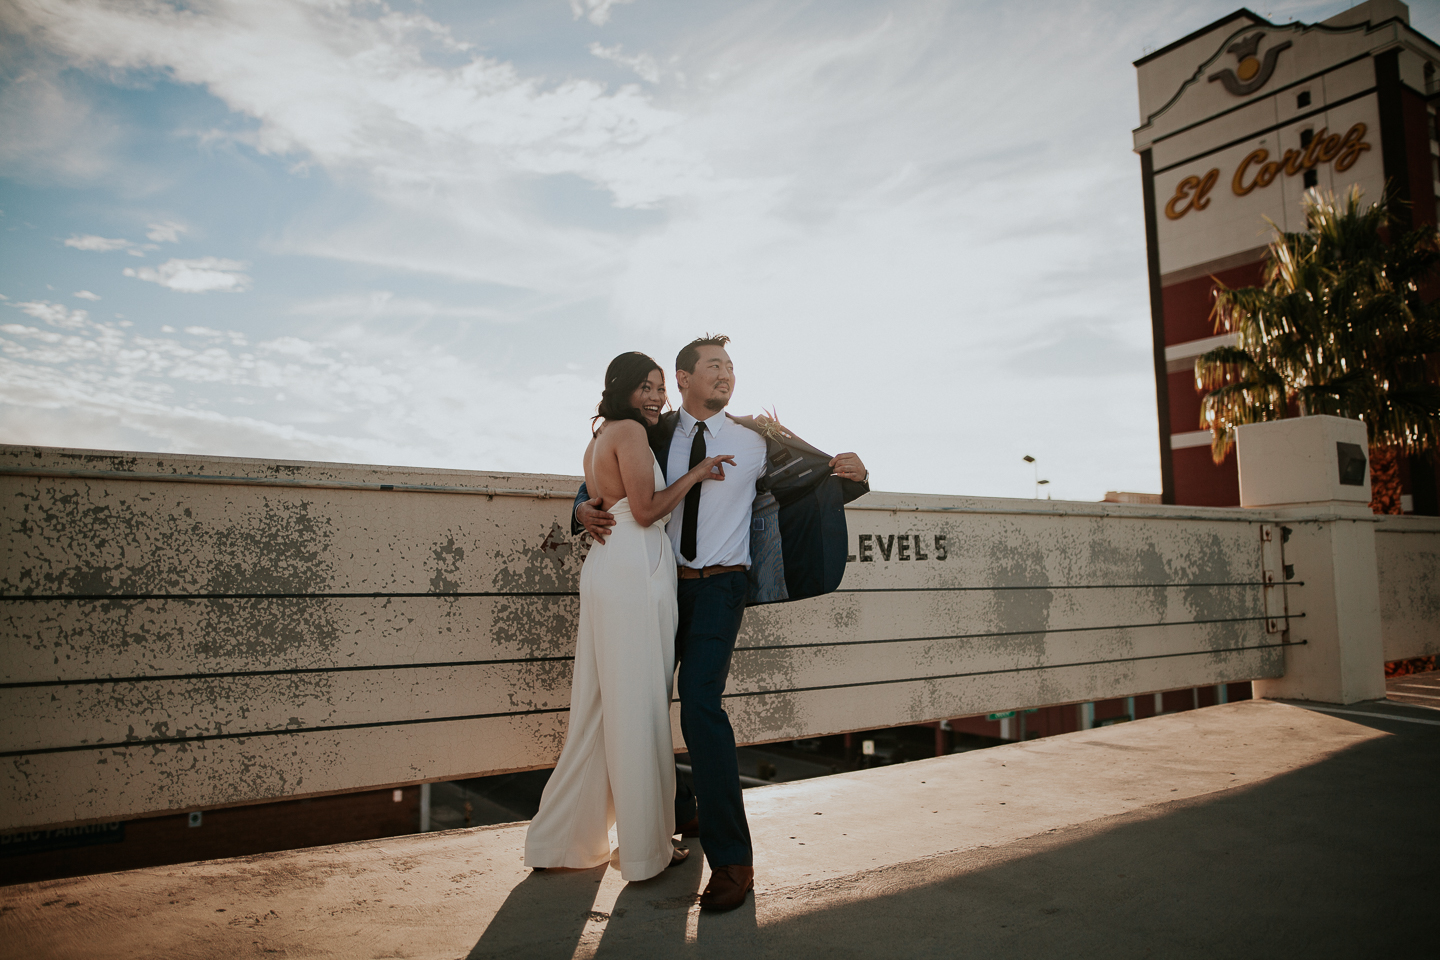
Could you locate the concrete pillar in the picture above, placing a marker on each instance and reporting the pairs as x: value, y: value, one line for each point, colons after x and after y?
x: 1312, y: 474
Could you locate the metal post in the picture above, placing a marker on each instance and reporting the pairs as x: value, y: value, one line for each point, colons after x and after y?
x: 424, y: 808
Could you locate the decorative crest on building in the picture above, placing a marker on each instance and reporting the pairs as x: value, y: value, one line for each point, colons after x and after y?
x: 1250, y: 73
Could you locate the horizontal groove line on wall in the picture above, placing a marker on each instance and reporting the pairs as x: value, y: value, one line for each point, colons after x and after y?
x: 1069, y: 586
x: 1051, y: 666
x: 296, y: 671
x: 284, y: 672
x: 141, y: 597
x: 111, y: 597
x: 203, y: 738
x: 1018, y: 633
x: 206, y: 737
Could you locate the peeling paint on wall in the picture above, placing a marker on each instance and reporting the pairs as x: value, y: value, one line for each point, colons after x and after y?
x: 228, y: 644
x: 1407, y: 553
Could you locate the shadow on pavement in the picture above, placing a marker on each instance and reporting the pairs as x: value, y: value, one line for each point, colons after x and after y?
x: 543, y: 917
x: 653, y: 913
x: 1333, y: 860
x: 737, y: 932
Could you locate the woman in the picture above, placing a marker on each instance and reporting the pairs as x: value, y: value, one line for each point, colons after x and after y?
x: 618, y: 765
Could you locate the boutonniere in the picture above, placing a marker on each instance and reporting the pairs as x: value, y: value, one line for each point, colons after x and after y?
x: 771, y: 428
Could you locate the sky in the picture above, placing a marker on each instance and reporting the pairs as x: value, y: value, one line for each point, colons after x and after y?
x: 415, y: 233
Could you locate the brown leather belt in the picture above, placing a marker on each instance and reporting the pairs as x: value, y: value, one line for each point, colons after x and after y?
x: 695, y: 573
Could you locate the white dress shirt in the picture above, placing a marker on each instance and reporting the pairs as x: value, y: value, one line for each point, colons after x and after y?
x: 722, y: 531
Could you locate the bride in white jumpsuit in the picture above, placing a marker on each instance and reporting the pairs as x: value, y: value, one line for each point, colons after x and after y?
x: 618, y: 764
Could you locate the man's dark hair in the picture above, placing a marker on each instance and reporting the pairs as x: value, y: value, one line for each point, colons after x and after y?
x: 685, y: 359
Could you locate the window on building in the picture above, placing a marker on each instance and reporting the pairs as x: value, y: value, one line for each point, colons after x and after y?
x: 1302, y: 99
x: 1429, y: 78
x: 1305, y: 137
x: 1312, y: 177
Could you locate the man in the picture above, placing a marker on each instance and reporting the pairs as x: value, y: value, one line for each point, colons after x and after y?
x: 711, y: 534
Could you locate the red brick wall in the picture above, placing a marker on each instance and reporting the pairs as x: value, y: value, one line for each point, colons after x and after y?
x: 1188, y: 303
x: 1417, y: 156
x: 1420, y: 165
x: 1184, y: 402
x: 1200, y: 483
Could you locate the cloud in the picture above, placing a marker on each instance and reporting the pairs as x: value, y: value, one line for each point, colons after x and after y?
x: 907, y: 219
x: 358, y: 93
x: 643, y: 64
x: 203, y: 275
x: 167, y: 232
x: 1081, y: 350
x: 383, y: 304
x: 833, y: 186
x: 210, y: 333
x: 596, y: 11
x: 86, y: 295
x: 52, y: 134
x: 446, y: 152
x: 360, y: 395
x: 97, y: 244
x: 55, y: 314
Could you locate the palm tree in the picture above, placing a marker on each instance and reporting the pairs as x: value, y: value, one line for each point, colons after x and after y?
x: 1339, y: 327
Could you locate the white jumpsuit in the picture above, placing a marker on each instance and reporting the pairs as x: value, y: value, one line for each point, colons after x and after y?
x: 618, y: 765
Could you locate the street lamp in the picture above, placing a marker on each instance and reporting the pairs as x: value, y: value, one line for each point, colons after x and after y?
x: 1031, y: 460
x: 1038, y: 485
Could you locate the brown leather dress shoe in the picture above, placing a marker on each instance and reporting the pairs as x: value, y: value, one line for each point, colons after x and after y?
x: 690, y: 828
x: 727, y: 887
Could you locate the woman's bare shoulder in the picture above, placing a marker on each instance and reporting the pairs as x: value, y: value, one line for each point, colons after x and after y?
x: 622, y: 432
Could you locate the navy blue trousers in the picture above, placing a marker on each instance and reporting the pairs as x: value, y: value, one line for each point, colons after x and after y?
x: 710, y: 612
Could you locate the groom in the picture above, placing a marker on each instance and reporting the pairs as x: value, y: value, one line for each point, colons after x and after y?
x: 710, y: 533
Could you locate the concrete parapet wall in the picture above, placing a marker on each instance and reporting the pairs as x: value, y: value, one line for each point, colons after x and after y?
x: 1407, y: 554
x: 188, y: 632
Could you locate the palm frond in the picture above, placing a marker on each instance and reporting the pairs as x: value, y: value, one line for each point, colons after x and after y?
x: 1338, y: 326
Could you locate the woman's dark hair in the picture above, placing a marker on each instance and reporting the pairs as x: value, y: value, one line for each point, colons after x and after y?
x: 624, y: 375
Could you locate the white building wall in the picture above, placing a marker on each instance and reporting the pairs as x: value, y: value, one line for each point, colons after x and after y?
x: 184, y: 632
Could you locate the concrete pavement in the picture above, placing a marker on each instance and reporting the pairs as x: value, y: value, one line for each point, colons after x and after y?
x: 1249, y: 829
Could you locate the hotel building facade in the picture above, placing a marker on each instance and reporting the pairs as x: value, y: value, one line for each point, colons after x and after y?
x: 1238, y: 119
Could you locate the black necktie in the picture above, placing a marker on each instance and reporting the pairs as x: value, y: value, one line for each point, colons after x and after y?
x: 692, y: 497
